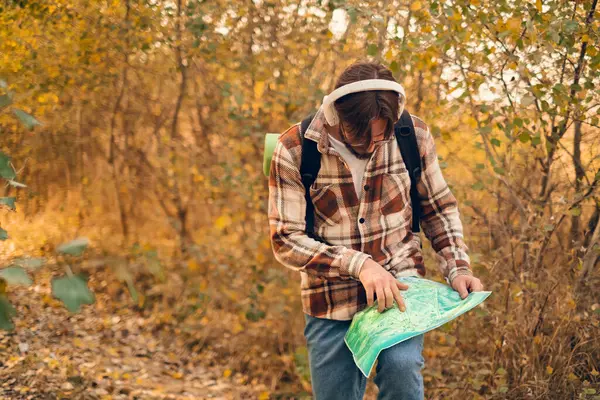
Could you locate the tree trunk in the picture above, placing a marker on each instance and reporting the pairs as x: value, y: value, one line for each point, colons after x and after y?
x: 575, y: 235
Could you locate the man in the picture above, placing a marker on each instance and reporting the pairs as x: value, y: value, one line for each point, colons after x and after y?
x: 363, y: 217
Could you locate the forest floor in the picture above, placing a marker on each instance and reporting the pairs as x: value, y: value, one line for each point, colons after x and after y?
x: 110, y: 350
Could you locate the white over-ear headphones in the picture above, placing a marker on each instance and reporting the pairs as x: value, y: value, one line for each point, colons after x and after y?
x: 360, y: 86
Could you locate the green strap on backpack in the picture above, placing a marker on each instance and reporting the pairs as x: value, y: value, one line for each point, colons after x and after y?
x: 270, y: 143
x: 309, y: 167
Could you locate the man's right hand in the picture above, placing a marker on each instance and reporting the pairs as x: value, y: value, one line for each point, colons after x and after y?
x: 377, y: 280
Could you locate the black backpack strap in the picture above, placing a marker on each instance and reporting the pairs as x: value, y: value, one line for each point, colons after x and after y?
x: 407, y: 141
x: 309, y: 169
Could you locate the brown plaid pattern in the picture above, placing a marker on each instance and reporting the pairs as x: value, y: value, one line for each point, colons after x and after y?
x: 378, y: 226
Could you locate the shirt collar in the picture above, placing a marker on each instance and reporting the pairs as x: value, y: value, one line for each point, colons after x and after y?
x: 318, y: 133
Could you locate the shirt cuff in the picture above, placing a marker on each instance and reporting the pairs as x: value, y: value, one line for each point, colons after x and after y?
x: 352, y: 263
x: 457, y: 271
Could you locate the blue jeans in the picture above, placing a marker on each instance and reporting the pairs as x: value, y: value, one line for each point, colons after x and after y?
x: 334, y: 375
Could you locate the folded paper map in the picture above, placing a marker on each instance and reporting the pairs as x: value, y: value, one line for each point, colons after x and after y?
x: 429, y: 305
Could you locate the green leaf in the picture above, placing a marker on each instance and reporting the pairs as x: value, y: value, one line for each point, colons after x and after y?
x: 477, y: 186
x: 124, y: 275
x: 73, y: 291
x: 576, y: 211
x: 559, y: 88
x: 353, y: 14
x: 239, y: 97
x: 132, y: 291
x: 485, y: 129
x: 495, y: 142
x: 571, y: 26
x: 28, y: 120
x: 548, y: 227
x: 153, y: 265
x: 75, y: 247
x: 254, y: 314
x: 9, y: 202
x: 3, y: 234
x: 5, y: 100
x: 29, y: 263
x: 527, y: 100
x: 524, y: 137
x: 6, y: 170
x: 301, y: 362
x: 15, y: 276
x: 372, y: 50
x: 7, y: 311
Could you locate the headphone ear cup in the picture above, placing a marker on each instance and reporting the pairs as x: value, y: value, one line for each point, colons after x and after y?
x: 331, y: 115
x: 400, y: 111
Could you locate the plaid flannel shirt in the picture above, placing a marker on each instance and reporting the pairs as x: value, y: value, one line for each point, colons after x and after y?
x: 377, y: 226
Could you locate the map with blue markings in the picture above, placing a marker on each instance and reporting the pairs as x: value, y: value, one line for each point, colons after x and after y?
x: 429, y: 305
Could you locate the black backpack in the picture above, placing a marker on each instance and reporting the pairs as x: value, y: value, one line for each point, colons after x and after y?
x: 407, y: 141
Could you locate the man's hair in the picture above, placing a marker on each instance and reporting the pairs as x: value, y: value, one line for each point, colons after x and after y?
x: 357, y: 109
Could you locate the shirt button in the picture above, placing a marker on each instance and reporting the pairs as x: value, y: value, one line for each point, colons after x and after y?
x: 362, y: 220
x: 366, y: 187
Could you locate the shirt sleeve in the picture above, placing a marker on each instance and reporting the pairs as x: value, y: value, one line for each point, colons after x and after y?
x: 440, y: 218
x: 291, y: 245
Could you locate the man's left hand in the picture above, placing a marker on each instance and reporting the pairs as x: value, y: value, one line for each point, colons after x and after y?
x: 464, y: 284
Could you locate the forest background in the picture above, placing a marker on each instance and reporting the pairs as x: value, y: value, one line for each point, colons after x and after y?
x: 137, y: 127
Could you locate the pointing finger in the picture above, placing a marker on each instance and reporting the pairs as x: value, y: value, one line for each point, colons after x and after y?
x: 369, y: 291
x: 389, y: 298
x: 399, y: 299
x: 380, y: 299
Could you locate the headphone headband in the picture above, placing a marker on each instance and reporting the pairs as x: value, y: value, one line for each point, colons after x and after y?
x: 360, y: 86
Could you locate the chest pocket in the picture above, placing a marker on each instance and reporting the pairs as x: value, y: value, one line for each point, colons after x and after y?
x: 327, y: 210
x: 395, y: 199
